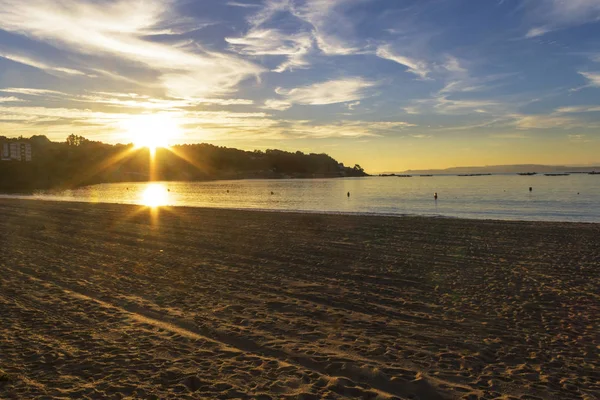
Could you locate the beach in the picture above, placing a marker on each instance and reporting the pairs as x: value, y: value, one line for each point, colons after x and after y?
x: 118, y: 301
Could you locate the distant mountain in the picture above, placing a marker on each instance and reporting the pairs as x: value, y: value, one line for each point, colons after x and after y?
x: 502, y: 169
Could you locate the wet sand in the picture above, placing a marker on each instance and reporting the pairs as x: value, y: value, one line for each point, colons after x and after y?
x: 104, y: 301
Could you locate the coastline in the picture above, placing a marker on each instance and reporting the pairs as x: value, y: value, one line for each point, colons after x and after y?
x: 27, y: 189
x: 30, y: 197
x: 103, y: 299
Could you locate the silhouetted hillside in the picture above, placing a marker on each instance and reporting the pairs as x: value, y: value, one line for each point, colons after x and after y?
x: 78, y: 162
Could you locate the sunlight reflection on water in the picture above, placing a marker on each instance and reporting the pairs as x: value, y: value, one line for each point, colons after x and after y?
x: 155, y: 195
x: 563, y: 198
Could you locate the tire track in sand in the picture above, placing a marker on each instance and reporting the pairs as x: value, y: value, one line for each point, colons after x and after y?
x: 228, y: 342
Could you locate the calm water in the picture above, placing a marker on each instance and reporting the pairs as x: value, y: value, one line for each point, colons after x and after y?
x: 482, y: 197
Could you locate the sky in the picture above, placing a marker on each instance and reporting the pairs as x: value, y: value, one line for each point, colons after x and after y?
x: 388, y: 84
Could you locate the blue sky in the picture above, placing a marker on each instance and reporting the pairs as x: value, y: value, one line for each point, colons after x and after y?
x: 390, y: 84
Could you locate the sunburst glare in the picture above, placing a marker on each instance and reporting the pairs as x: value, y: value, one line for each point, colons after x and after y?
x: 152, y: 131
x: 155, y: 195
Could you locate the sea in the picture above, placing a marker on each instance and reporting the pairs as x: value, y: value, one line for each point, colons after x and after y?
x: 574, y: 198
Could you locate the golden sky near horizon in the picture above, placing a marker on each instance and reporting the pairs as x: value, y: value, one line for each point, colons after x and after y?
x: 385, y: 84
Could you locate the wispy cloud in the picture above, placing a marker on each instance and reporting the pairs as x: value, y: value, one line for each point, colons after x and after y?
x: 272, y: 42
x: 578, y: 109
x: 535, y: 32
x: 320, y: 25
x: 453, y: 64
x: 118, y: 29
x: 550, y: 15
x: 33, y: 91
x: 459, y: 79
x: 260, y: 128
x: 579, y: 138
x: 279, y: 105
x: 455, y: 106
x: 416, y: 67
x: 467, y: 85
x: 544, y: 121
x: 209, y: 125
x: 57, y: 113
x: 330, y: 92
x: 146, y: 102
x: 331, y: 29
x: 59, y: 122
x: 461, y: 93
x: 592, y: 77
x: 328, y: 24
x: 40, y: 65
x: 343, y: 129
x: 444, y: 104
x: 353, y: 105
x: 509, y: 135
x: 10, y: 99
x: 129, y: 100
x: 243, y: 5
x: 456, y: 76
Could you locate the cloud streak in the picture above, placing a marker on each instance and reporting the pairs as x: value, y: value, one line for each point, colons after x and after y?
x: 10, y: 99
x: 330, y: 28
x: 342, y: 129
x: 320, y: 25
x: 117, y: 29
x: 271, y: 42
x: 329, y: 92
x: 33, y: 92
x: 592, y: 77
x: 578, y: 109
x: 543, y: 121
x: 39, y: 64
x: 551, y: 15
x: 413, y: 66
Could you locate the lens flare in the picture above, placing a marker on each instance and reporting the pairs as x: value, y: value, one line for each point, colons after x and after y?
x: 152, y: 131
x: 155, y: 195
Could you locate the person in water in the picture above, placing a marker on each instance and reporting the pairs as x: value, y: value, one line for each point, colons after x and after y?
x: 348, y: 194
x: 435, y: 196
x: 530, y: 189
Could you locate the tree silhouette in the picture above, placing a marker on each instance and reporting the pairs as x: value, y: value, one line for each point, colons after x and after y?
x: 75, y: 140
x: 78, y: 161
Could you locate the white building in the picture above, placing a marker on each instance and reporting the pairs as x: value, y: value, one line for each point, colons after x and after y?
x: 17, y: 151
x: 5, y: 153
x: 26, y: 151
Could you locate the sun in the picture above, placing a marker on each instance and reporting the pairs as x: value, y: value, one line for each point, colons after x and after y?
x: 152, y: 130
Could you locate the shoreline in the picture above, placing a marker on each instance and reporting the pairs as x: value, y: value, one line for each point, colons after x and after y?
x: 107, y: 300
x: 290, y: 211
x: 216, y: 179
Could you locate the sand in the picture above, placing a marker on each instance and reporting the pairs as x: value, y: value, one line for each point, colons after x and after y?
x: 105, y: 301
